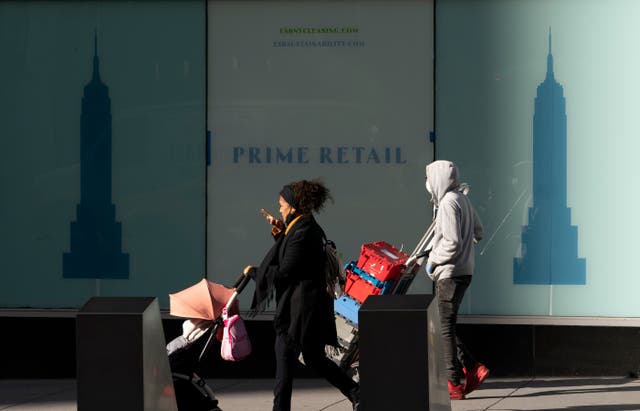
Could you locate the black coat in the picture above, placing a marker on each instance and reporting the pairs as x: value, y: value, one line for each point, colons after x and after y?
x: 294, y: 269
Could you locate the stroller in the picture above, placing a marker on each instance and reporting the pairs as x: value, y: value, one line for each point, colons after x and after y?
x: 203, y: 305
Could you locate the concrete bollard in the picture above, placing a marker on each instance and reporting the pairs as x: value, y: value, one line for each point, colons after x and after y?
x: 401, y: 358
x: 121, y: 356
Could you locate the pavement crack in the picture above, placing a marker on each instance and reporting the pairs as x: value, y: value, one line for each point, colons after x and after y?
x: 490, y: 407
x: 332, y: 404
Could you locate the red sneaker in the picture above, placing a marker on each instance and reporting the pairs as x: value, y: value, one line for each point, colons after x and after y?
x: 456, y: 392
x: 475, y: 377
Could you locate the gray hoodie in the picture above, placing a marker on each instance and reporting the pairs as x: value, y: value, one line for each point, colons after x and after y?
x: 457, y: 224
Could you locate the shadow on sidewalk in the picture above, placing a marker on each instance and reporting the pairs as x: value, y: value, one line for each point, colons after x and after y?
x: 627, y: 388
x: 559, y: 382
x: 613, y: 407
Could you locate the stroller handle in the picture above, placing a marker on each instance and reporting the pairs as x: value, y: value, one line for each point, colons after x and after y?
x: 241, y: 282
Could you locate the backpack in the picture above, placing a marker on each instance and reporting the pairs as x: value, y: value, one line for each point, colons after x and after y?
x: 333, y: 270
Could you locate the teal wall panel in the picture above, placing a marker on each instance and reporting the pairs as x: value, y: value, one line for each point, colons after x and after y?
x: 491, y: 57
x: 152, y: 62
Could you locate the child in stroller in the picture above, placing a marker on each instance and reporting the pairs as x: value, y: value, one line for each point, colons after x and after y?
x: 186, y: 351
x: 192, y: 392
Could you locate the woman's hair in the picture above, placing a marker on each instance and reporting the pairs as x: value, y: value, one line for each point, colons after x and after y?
x: 311, y: 195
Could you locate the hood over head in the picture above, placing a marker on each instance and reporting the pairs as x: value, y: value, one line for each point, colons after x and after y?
x: 442, y: 177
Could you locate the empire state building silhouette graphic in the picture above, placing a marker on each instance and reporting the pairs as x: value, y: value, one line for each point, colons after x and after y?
x: 549, y: 242
x: 96, y: 238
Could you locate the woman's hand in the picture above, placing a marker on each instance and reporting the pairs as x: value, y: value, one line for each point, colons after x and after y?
x: 250, y: 271
x: 271, y: 219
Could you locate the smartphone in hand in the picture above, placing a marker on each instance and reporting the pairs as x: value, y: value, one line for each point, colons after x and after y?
x: 265, y: 213
x: 271, y: 219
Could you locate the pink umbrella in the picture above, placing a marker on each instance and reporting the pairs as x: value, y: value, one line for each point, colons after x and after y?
x: 204, y: 300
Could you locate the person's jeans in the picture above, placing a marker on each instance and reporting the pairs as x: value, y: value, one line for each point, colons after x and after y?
x: 449, y: 292
x: 314, y: 358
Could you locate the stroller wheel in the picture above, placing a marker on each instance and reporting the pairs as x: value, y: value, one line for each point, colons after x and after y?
x: 193, y: 394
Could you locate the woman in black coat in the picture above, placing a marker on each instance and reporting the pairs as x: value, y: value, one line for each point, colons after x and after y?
x: 293, y: 271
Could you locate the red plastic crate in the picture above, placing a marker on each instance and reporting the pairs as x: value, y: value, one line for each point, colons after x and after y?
x: 382, y: 260
x: 358, y: 288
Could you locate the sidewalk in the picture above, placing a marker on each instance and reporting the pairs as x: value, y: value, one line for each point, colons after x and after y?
x: 572, y: 394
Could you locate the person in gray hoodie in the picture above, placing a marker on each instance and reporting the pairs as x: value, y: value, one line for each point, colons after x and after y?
x: 450, y: 265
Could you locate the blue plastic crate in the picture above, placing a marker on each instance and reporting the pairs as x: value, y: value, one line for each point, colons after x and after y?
x: 347, y: 307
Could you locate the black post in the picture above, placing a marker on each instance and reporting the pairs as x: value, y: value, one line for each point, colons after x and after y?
x: 401, y: 362
x: 121, y: 355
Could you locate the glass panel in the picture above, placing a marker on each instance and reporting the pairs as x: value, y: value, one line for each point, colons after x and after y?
x: 527, y: 91
x: 102, y: 117
x: 342, y: 91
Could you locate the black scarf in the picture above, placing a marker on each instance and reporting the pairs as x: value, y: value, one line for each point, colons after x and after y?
x: 265, y: 283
